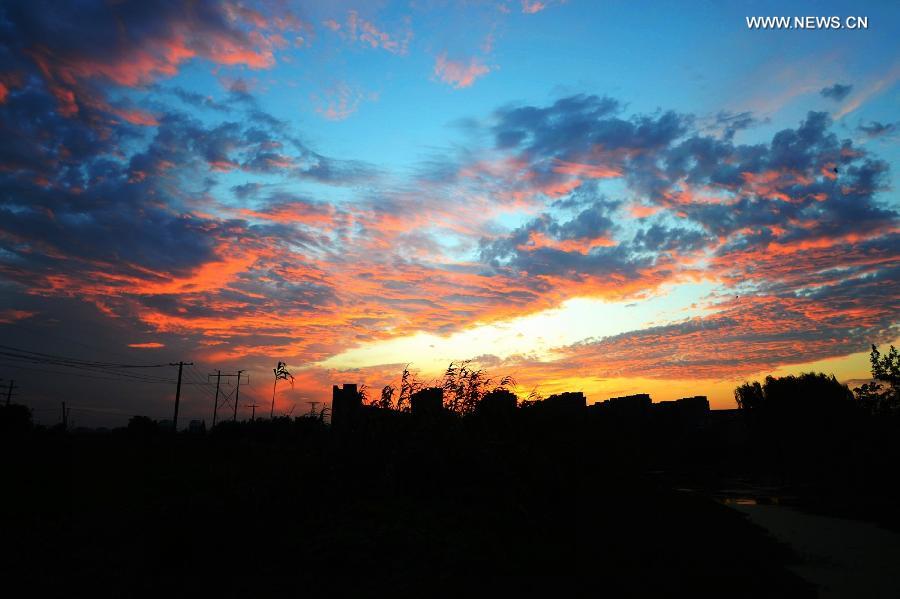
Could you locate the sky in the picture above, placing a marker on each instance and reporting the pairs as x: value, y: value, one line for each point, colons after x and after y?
x: 613, y: 198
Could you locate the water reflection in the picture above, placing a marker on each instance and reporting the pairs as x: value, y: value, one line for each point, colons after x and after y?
x: 743, y: 497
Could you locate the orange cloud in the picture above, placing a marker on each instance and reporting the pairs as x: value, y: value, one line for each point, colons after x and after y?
x: 583, y: 246
x: 642, y: 210
x: 294, y: 212
x: 590, y: 171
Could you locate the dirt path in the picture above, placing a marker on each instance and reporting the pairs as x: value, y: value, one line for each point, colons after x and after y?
x: 846, y: 558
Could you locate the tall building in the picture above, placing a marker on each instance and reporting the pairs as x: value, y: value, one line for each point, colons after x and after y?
x: 687, y: 412
x: 569, y: 403
x: 345, y: 404
x: 498, y: 403
x: 627, y: 405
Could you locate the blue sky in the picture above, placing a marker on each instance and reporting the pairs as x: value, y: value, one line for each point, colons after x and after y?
x: 609, y: 197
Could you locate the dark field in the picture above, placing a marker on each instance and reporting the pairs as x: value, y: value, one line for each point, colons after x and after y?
x: 293, y: 506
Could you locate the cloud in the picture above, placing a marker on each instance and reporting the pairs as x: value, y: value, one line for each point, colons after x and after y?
x: 199, y: 100
x: 340, y: 101
x: 877, y: 129
x: 730, y: 123
x: 836, y: 92
x: 77, y: 50
x: 357, y: 29
x: 747, y: 335
x: 531, y: 7
x: 458, y: 74
x: 871, y: 90
x: 217, y: 234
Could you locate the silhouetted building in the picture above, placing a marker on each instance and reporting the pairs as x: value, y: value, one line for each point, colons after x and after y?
x: 697, y: 403
x: 627, y: 405
x: 499, y: 403
x: 345, y: 404
x: 197, y: 426
x: 569, y: 403
x: 427, y: 403
x: 685, y: 413
x: 638, y: 399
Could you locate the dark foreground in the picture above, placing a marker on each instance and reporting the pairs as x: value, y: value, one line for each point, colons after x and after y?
x: 292, y: 506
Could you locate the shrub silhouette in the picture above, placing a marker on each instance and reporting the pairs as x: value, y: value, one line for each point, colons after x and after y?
x: 15, y: 419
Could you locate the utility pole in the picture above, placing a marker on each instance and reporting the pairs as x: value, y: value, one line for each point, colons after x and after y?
x: 9, y: 392
x: 237, y: 393
x: 65, y: 417
x: 216, y: 405
x: 253, y: 412
x: 180, y: 365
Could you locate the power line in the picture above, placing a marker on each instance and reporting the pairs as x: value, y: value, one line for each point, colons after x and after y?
x: 29, y: 357
x: 64, y: 360
x: 114, y: 376
x: 57, y: 335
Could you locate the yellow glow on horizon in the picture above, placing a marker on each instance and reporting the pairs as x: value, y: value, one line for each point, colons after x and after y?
x: 535, y: 335
x: 538, y: 335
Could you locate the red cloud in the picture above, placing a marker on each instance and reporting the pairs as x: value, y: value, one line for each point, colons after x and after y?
x: 142, y: 54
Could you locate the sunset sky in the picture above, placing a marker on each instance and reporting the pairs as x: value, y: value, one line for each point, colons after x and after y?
x: 611, y: 197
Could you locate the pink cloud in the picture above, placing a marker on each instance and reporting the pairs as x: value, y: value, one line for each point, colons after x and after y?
x: 532, y: 7
x: 339, y: 101
x: 458, y: 74
x: 358, y: 29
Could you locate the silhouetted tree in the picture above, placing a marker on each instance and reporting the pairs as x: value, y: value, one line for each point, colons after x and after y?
x: 142, y: 426
x: 386, y: 401
x: 874, y: 396
x: 887, y: 367
x: 281, y: 374
x: 464, y: 386
x: 15, y: 418
x: 363, y: 393
x: 534, y: 398
x: 808, y: 394
x: 409, y: 384
x: 749, y: 396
